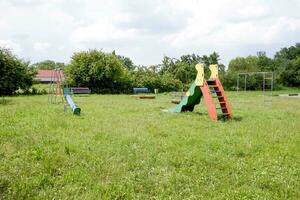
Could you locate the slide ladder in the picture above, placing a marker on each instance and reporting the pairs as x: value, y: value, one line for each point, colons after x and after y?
x: 216, y: 88
x: 212, y: 92
x: 209, y: 102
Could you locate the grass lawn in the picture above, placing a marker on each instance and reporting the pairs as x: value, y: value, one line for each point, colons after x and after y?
x: 123, y: 148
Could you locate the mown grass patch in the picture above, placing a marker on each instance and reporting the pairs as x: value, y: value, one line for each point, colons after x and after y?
x: 123, y: 148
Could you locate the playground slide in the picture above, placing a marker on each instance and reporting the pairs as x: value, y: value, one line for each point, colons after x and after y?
x: 188, y: 102
x: 76, y: 110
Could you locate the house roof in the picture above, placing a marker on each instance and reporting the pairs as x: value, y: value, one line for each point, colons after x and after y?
x: 46, y: 73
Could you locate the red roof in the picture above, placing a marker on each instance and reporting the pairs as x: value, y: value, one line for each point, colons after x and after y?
x: 47, y: 73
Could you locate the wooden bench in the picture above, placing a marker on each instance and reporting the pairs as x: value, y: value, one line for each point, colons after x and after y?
x: 143, y: 96
x: 80, y: 90
x: 140, y: 90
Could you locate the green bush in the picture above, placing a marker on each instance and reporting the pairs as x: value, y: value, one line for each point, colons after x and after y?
x: 101, y: 72
x: 145, y: 77
x: 14, y: 73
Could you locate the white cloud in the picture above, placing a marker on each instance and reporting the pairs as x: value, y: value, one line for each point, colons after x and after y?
x: 41, y: 46
x: 220, y: 22
x: 146, y: 30
x: 253, y: 12
x: 9, y: 44
x: 232, y: 27
x: 103, y: 30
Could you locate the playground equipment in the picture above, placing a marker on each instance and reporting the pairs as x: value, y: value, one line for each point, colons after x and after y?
x: 75, y: 109
x: 56, y: 92
x: 267, y: 82
x: 205, y: 88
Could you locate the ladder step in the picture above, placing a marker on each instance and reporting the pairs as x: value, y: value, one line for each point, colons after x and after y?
x: 216, y: 91
x: 211, y: 81
x: 222, y: 108
x: 225, y: 113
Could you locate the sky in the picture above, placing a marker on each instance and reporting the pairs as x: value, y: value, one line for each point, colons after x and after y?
x: 147, y: 30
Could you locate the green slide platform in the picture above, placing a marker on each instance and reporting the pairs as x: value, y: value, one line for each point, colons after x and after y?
x: 188, y: 102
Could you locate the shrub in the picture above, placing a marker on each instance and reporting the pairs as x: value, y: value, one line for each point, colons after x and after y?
x: 14, y: 73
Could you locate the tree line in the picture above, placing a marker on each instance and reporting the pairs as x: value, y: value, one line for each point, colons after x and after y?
x: 285, y: 66
x: 106, y: 72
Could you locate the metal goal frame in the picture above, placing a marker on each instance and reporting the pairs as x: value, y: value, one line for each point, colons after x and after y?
x: 268, y: 80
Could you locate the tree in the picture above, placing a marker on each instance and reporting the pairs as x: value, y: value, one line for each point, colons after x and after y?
x: 148, y: 77
x: 102, y: 72
x: 291, y: 76
x: 284, y: 65
x: 266, y: 64
x: 287, y: 63
x: 127, y: 62
x: 240, y: 64
x: 14, y: 73
x: 167, y: 66
x: 213, y: 58
x: 288, y: 53
x: 48, y: 64
x: 183, y: 69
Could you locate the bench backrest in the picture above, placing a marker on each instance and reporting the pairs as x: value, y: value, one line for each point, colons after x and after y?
x: 140, y: 90
x: 80, y: 90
